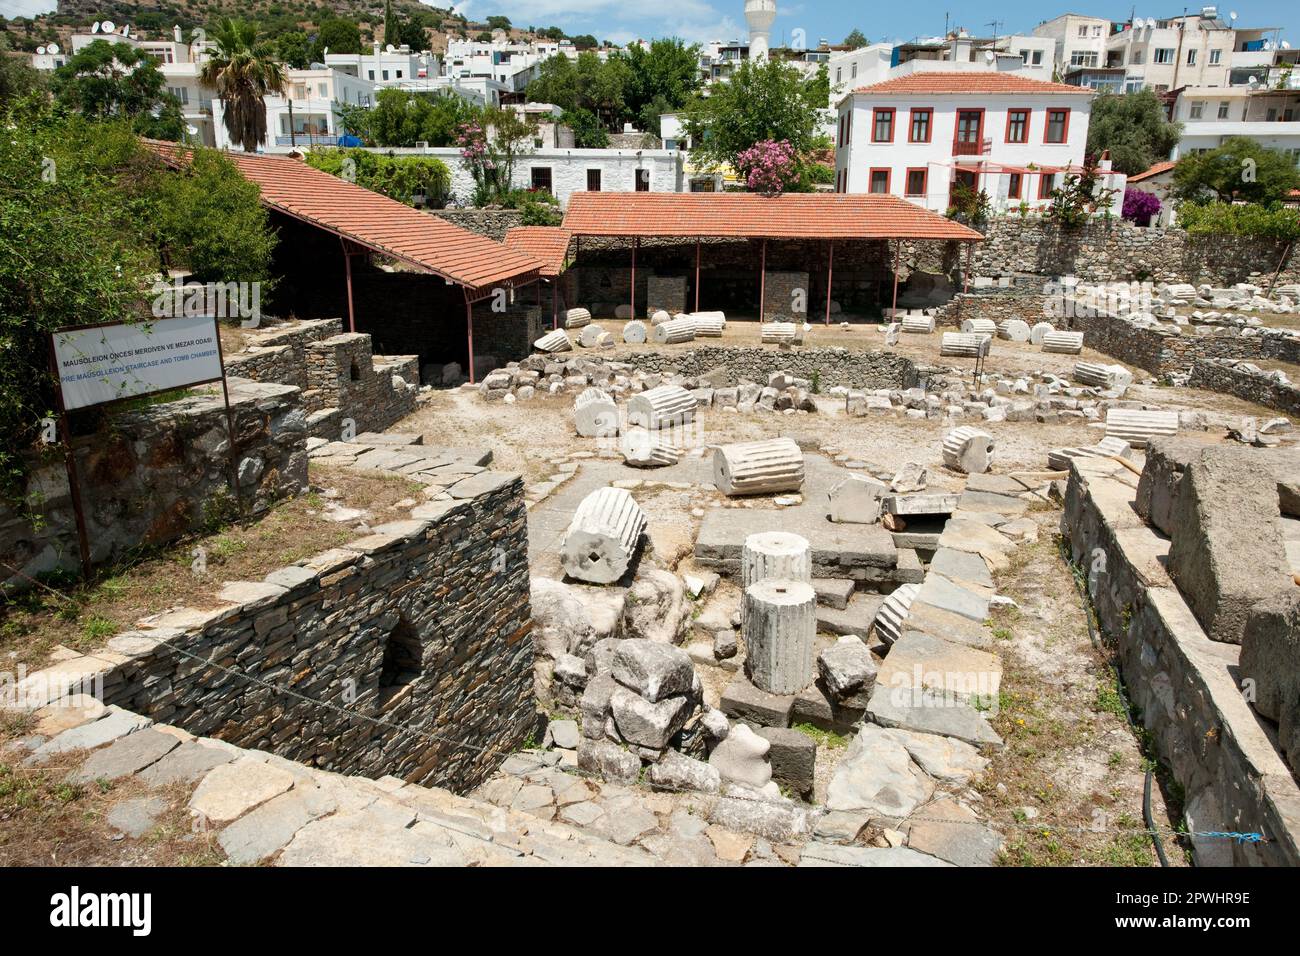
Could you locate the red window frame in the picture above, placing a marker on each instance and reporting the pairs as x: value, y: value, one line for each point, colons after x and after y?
x: 956, y: 124
x: 839, y: 139
x: 1065, y: 127
x: 1017, y: 180
x: 1028, y: 113
x: 929, y: 124
x: 907, y: 180
x: 1045, y: 185
x: 871, y: 175
x: 875, y: 123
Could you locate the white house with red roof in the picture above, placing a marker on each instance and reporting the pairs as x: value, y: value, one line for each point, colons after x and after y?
x: 919, y: 134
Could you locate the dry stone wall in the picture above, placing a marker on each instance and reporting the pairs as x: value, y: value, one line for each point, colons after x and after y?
x: 155, y: 474
x: 1118, y: 250
x: 1246, y: 381
x: 411, y: 649
x: 829, y: 366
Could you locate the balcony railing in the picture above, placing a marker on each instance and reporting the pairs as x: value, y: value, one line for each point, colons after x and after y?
x: 307, y: 139
x: 979, y: 147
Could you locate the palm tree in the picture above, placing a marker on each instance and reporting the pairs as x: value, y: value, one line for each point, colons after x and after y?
x: 242, y: 74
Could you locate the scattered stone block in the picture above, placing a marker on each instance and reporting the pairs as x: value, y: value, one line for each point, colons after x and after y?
x: 742, y: 758
x: 968, y: 450
x: 603, y: 537
x: 793, y: 758
x: 847, y: 666
x: 741, y: 700
x: 856, y: 500
x: 758, y: 468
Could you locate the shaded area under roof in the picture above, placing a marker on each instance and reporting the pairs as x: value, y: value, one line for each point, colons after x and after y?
x: 374, y: 221
x: 547, y: 244
x: 755, y: 216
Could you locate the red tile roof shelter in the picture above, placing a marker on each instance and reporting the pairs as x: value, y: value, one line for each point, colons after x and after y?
x: 550, y: 246
x: 368, y: 221
x: 822, y: 216
x: 982, y: 83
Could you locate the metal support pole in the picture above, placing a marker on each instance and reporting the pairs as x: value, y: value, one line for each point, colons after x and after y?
x: 347, y: 266
x: 230, y: 422
x: 762, y: 281
x: 70, y: 464
x: 898, y: 255
x: 830, y: 274
x: 697, y: 275
x: 636, y: 243
x: 555, y: 304
x: 469, y: 334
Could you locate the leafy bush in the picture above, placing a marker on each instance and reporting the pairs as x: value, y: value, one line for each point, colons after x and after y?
x: 539, y: 208
x: 1139, y: 206
x: 397, y: 177
x: 1247, y: 219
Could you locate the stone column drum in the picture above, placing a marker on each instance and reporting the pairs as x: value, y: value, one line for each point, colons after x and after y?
x: 603, y: 536
x: 758, y: 467
x: 780, y: 630
x: 968, y: 450
x: 595, y: 414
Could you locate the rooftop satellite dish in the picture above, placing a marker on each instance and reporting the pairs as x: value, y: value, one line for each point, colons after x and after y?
x: 389, y: 48
x: 94, y: 27
x: 108, y: 26
x: 192, y: 130
x: 989, y: 56
x: 1286, y: 44
x: 1254, y: 80
x: 1232, y: 15
x: 52, y: 48
x: 40, y: 51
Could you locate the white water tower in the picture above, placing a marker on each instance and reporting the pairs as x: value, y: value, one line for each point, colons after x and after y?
x: 759, y: 14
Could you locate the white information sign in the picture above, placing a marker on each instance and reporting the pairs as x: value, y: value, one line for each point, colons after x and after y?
x: 106, y: 363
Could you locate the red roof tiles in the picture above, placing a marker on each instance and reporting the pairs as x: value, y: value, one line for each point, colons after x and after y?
x: 983, y: 83
x: 375, y: 221
x: 751, y: 215
x: 1155, y: 170
x: 549, y: 244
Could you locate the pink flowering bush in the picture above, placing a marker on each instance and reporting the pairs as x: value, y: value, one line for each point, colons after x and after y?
x: 1140, y: 207
x: 769, y: 166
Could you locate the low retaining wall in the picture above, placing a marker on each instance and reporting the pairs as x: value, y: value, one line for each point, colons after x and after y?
x: 155, y: 474
x: 1246, y: 382
x: 493, y: 223
x: 1182, y: 682
x: 423, y: 624
x: 831, y: 366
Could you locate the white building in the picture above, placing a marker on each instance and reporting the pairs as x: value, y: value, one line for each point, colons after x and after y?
x: 1212, y: 115
x: 306, y: 114
x: 562, y: 172
x: 919, y: 134
x: 391, y: 67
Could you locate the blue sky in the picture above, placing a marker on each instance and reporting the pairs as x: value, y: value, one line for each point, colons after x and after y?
x: 621, y: 20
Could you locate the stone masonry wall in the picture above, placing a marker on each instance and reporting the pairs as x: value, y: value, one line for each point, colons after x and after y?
x: 782, y: 293
x: 157, y: 473
x: 1119, y: 250
x: 424, y: 624
x: 493, y: 223
x: 832, y: 366
x: 1180, y: 681
x: 340, y: 378
x: 1246, y: 382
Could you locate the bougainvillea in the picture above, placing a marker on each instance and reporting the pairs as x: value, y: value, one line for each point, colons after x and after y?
x: 769, y: 166
x: 1140, y: 207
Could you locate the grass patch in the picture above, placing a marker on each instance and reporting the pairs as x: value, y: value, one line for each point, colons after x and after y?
x: 823, y: 738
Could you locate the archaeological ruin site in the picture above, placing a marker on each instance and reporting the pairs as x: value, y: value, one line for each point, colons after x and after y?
x: 702, y: 531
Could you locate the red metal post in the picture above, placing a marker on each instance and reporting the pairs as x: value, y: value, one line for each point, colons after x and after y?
x: 970, y: 255
x: 898, y: 255
x: 762, y: 281
x: 469, y: 332
x: 347, y: 265
x: 636, y: 243
x: 697, y: 275
x: 830, y: 274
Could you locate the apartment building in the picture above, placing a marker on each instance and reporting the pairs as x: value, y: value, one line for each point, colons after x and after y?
x: 307, y: 113
x: 1212, y: 115
x: 918, y: 135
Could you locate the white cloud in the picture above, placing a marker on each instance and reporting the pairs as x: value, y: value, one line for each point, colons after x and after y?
x: 26, y: 8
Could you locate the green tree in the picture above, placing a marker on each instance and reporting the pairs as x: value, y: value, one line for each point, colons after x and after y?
x: 403, y: 118
x: 208, y: 217
x: 587, y: 131
x: 556, y: 83
x: 71, y: 251
x: 338, y: 36
x: 768, y: 100
x: 293, y: 49
x: 398, y: 177
x: 17, y: 76
x: 115, y: 79
x: 1134, y: 127
x: 585, y: 41
x: 660, y: 79
x: 498, y: 23
x: 855, y: 40
x: 392, y: 27
x: 1239, y: 170
x: 602, y: 86
x: 242, y: 77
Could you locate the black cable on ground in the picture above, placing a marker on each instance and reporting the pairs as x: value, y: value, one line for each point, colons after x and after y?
x: 1113, y: 663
